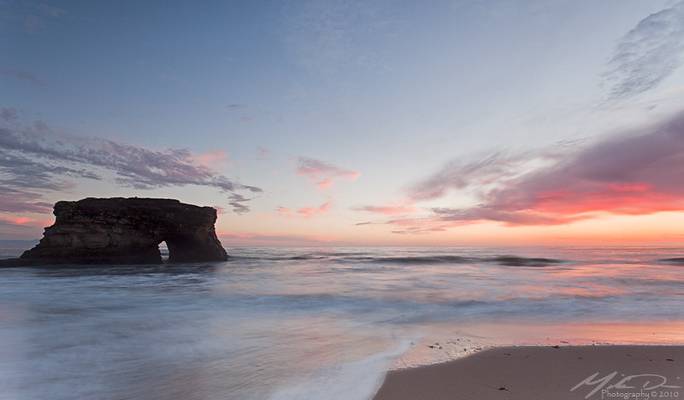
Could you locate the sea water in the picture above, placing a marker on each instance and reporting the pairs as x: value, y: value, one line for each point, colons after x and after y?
x: 321, y: 323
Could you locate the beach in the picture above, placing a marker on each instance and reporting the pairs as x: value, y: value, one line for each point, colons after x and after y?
x: 548, y: 372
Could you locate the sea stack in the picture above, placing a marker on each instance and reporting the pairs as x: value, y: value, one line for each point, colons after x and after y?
x: 127, y: 231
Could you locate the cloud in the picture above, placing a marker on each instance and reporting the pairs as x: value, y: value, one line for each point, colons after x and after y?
x: 417, y: 226
x: 313, y: 211
x: 237, y: 201
x: 8, y: 114
x: 511, y: 218
x: 22, y: 171
x: 23, y: 221
x: 285, y: 211
x: 306, y: 212
x: 323, y: 174
x: 389, y: 209
x: 16, y: 202
x: 10, y: 230
x: 21, y: 75
x: 19, y: 201
x: 635, y: 173
x: 34, y: 159
x: 648, y: 53
x: 212, y: 159
x: 459, y: 175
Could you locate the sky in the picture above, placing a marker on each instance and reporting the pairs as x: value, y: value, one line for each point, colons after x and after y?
x: 351, y: 122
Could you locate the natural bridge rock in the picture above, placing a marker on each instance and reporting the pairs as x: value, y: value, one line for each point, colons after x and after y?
x: 127, y: 231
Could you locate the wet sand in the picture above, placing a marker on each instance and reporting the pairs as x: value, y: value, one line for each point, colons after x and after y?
x: 546, y: 373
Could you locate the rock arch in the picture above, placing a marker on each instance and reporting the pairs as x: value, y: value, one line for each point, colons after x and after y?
x: 127, y: 231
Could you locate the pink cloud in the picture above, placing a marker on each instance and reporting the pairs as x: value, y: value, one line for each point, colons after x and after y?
x: 25, y: 221
x: 325, y: 183
x: 313, y: 211
x: 306, y: 212
x: 635, y: 173
x: 284, y: 211
x: 323, y: 174
x: 20, y: 220
x: 212, y: 159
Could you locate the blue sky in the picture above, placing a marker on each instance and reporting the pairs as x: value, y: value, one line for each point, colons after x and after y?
x: 381, y: 95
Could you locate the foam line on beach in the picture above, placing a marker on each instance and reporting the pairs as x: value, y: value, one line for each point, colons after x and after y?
x: 357, y: 380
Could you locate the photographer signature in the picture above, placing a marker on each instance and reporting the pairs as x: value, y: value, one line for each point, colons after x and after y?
x: 649, y: 382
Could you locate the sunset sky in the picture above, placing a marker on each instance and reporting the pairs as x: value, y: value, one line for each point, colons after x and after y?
x: 352, y: 122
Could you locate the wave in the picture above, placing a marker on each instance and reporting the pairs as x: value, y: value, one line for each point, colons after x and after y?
x: 675, y: 261
x: 514, y: 261
x: 437, y: 259
x: 504, y: 260
x: 511, y: 261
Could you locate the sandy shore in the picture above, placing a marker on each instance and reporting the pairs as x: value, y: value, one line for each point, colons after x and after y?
x: 546, y: 373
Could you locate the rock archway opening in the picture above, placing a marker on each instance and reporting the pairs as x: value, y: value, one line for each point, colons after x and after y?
x: 163, y: 250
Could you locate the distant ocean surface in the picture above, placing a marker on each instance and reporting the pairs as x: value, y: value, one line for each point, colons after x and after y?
x: 316, y: 323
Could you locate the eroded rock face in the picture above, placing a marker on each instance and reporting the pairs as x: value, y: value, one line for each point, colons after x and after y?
x: 127, y: 231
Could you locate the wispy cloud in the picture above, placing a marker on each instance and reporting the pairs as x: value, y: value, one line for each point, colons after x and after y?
x: 36, y: 158
x: 306, y: 212
x: 364, y: 223
x: 20, y: 201
x: 285, y: 211
x: 634, y: 173
x: 22, y: 75
x: 214, y: 159
x: 418, y: 225
x: 8, y: 114
x: 239, y: 203
x: 460, y: 174
x: 323, y: 174
x: 389, y: 209
x: 10, y: 230
x: 648, y: 53
x: 313, y: 211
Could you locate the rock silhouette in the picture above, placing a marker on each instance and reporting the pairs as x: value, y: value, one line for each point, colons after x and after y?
x: 127, y: 231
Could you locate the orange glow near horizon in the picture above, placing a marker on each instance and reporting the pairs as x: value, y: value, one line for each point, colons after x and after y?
x: 607, y: 229
x: 26, y: 221
x: 323, y: 227
x: 636, y: 199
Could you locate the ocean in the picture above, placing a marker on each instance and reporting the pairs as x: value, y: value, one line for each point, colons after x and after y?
x: 317, y: 323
